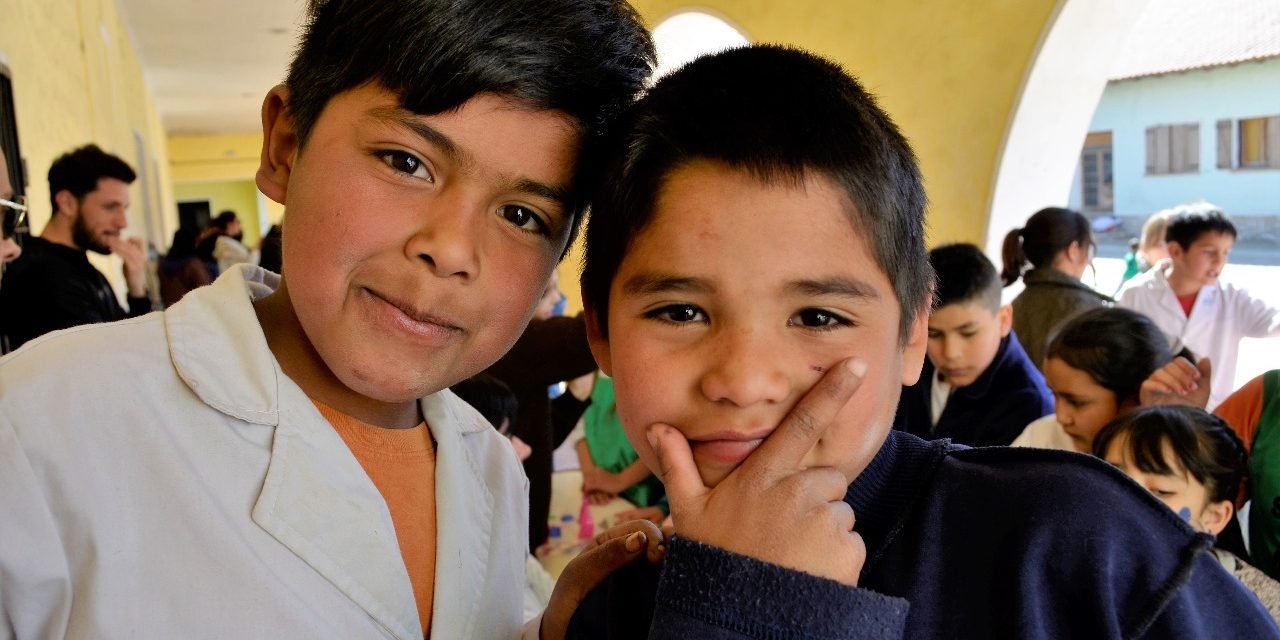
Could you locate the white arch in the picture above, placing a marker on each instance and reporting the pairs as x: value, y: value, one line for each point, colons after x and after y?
x: 1059, y: 95
x: 688, y: 34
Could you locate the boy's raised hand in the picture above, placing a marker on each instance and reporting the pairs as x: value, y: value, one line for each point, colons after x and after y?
x: 1178, y: 382
x: 609, y: 551
x: 769, y: 508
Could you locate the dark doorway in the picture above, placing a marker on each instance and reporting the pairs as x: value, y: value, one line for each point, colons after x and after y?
x: 194, y: 214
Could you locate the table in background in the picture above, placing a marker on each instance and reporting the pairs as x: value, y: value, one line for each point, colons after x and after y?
x: 566, y: 499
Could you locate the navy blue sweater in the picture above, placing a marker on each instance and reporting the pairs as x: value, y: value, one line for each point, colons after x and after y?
x: 961, y: 543
x: 992, y: 411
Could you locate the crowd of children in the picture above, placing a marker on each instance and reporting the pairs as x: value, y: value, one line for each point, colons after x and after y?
x: 280, y: 455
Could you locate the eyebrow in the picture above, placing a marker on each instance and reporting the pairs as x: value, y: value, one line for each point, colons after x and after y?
x: 457, y: 155
x: 844, y: 287
x: 650, y: 283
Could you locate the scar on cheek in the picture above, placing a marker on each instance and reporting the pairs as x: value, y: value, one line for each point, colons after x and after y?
x: 818, y: 368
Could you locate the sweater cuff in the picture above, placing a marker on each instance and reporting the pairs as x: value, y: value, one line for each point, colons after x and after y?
x: 759, y: 599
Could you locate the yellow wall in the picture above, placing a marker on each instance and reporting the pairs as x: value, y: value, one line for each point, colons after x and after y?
x: 240, y: 196
x: 77, y: 79
x: 220, y: 158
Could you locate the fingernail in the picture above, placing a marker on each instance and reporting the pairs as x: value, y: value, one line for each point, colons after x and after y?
x: 856, y: 366
x: 652, y: 436
x: 635, y: 541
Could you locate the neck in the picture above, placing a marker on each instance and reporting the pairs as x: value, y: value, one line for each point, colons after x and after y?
x: 1180, y: 284
x: 59, y: 232
x: 300, y: 361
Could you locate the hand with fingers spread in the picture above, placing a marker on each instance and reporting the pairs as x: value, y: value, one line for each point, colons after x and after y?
x: 771, y: 507
x: 1178, y: 382
x: 609, y: 551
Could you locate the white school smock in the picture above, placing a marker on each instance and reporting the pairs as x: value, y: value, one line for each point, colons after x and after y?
x: 161, y: 477
x: 1222, y: 315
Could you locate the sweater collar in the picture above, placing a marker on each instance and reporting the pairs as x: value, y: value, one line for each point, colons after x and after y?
x: 883, y: 493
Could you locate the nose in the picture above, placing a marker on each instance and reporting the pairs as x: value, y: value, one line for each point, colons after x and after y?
x: 951, y: 348
x: 448, y: 237
x: 1062, y: 411
x: 744, y: 368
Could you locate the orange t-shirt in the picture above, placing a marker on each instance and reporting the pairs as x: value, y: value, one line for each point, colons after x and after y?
x: 402, y: 465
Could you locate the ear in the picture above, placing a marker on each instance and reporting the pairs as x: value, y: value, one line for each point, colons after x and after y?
x: 1216, y: 516
x: 917, y: 343
x: 1174, y: 250
x: 1005, y: 318
x: 279, y: 144
x: 67, y: 203
x: 598, y: 341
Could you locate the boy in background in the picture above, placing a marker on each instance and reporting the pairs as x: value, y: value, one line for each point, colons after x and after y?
x: 757, y: 287
x: 1191, y: 305
x: 978, y: 386
x: 276, y: 456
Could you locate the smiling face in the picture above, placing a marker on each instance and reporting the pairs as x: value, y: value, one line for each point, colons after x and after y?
x: 1081, y: 405
x: 964, y: 338
x: 1201, y: 263
x: 729, y: 305
x: 416, y: 246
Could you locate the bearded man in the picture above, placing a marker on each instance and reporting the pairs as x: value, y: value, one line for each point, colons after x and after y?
x: 52, y: 285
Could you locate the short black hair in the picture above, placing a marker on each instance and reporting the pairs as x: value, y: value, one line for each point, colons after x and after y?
x: 1203, y: 443
x: 78, y: 171
x: 776, y: 113
x: 585, y: 58
x: 965, y: 275
x: 1119, y: 348
x: 1191, y: 220
x: 1047, y: 233
x: 491, y: 397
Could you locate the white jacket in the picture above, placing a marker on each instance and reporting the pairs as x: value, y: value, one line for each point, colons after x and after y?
x: 1222, y: 315
x: 161, y: 478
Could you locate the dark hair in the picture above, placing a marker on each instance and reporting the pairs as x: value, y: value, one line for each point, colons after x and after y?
x: 1119, y: 348
x: 184, y: 243
x: 1190, y: 221
x: 490, y: 396
x: 586, y: 58
x: 776, y: 113
x: 1203, y: 443
x: 80, y: 170
x: 964, y: 275
x: 1047, y: 233
x: 223, y: 220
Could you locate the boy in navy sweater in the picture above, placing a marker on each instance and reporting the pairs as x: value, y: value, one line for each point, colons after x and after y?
x: 978, y: 386
x: 757, y: 287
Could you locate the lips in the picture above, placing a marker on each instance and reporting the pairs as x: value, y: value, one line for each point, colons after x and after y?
x: 727, y: 447
x: 410, y: 319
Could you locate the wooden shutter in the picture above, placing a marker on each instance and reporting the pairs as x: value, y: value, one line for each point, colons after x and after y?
x: 1191, y: 140
x: 1273, y: 142
x: 1224, y: 144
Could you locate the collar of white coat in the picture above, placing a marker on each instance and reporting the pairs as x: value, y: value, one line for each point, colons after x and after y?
x: 316, y: 499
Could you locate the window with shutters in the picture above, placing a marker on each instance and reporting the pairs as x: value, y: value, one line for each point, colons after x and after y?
x: 1259, y: 143
x: 1173, y: 148
x: 1095, y: 172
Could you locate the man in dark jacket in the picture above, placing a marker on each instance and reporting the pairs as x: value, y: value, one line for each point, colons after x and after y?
x: 53, y: 285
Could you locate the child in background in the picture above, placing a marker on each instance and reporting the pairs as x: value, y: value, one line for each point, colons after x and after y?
x: 978, y: 387
x: 610, y: 465
x: 1058, y: 244
x: 497, y: 403
x: 1095, y: 366
x: 757, y: 286
x: 1253, y: 411
x: 1152, y: 248
x: 1191, y: 305
x: 1193, y: 463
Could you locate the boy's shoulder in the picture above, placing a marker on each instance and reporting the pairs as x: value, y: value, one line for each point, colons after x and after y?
x: 1012, y: 370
